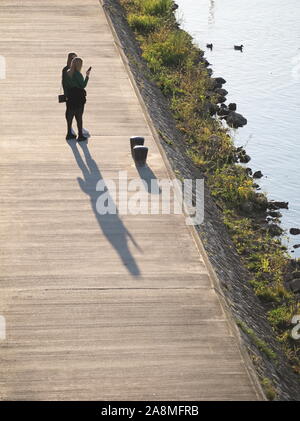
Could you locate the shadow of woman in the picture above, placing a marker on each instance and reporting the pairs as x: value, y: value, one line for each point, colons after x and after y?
x: 110, y: 223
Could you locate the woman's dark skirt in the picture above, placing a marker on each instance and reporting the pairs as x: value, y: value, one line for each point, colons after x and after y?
x: 76, y: 98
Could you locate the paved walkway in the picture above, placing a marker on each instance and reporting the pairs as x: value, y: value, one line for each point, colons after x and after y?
x: 97, y: 307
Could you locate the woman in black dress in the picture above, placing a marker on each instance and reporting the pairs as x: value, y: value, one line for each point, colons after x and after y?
x: 76, y: 97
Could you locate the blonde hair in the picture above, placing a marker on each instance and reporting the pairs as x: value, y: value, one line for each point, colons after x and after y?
x: 70, y: 58
x: 76, y: 66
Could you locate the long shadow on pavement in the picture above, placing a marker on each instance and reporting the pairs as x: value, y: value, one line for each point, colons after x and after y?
x: 110, y: 223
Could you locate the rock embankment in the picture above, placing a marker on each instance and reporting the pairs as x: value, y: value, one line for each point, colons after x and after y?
x: 227, y: 113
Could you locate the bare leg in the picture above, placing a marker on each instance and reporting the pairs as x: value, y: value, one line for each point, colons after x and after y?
x: 78, y: 116
x: 69, y: 117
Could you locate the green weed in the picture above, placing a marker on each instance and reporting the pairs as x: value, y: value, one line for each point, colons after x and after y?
x: 143, y: 23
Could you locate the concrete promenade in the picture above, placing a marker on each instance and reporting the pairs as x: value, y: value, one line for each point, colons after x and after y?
x: 112, y: 307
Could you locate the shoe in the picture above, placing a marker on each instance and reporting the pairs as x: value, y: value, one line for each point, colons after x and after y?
x: 71, y: 136
x: 81, y: 138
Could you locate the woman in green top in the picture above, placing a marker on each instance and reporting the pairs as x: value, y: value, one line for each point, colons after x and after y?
x: 76, y: 97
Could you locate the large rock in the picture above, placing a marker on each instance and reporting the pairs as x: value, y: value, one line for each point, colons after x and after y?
x: 244, y: 158
x: 235, y: 120
x: 275, y: 214
x: 220, y: 80
x: 295, y: 231
x: 217, y: 82
x: 274, y: 230
x: 221, y: 91
x: 258, y: 174
x: 274, y: 205
x: 223, y: 110
x: 221, y: 99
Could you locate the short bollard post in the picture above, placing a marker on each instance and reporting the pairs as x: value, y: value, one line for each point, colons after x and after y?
x: 140, y: 155
x: 136, y: 141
